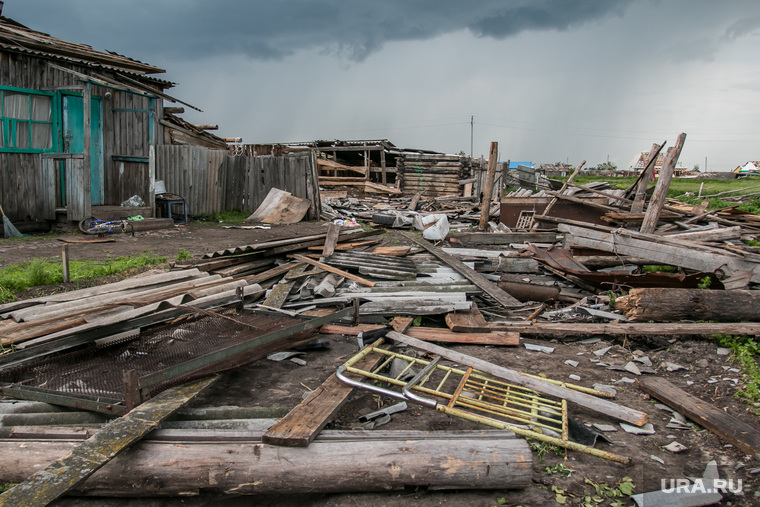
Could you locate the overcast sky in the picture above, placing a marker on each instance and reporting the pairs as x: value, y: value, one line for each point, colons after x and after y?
x: 549, y: 80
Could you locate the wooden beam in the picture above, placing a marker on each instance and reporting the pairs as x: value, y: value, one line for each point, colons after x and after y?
x: 485, y: 206
x: 69, y: 472
x: 728, y: 428
x: 468, y: 321
x: 333, y: 230
x: 562, y: 329
x: 435, y: 334
x: 331, y: 269
x: 585, y: 400
x: 645, y: 177
x: 661, y: 189
x: 476, y: 278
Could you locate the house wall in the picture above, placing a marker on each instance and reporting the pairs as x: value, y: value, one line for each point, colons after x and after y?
x: 24, y: 185
x: 214, y: 180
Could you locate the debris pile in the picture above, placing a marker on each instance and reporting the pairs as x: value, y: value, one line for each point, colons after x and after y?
x: 560, y: 271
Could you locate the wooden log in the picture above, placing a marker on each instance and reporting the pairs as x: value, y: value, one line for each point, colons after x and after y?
x: 598, y: 405
x: 73, y: 469
x: 660, y: 304
x: 331, y: 466
x: 489, y: 288
x: 661, y: 189
x: 485, y: 205
x: 728, y: 428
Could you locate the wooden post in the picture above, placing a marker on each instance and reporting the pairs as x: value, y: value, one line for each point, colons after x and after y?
x: 87, y: 140
x: 485, y: 207
x: 647, y: 175
x: 661, y: 190
x: 382, y: 166
x: 65, y: 261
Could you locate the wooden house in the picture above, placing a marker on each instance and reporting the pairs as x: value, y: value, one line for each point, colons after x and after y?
x: 77, y: 127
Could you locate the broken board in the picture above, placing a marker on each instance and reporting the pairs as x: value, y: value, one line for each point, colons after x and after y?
x: 728, y: 428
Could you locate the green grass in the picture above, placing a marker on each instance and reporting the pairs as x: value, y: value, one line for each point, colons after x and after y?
x: 234, y: 217
x: 687, y: 189
x: 183, y: 255
x: 746, y: 351
x: 50, y: 272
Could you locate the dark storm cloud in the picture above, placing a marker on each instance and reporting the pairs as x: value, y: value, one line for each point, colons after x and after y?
x: 274, y: 29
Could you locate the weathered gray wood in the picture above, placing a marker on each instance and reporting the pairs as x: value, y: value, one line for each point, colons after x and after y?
x: 645, y: 177
x: 691, y: 256
x: 562, y: 189
x: 505, y: 238
x: 717, y: 234
x: 485, y: 206
x: 585, y: 400
x: 72, y: 470
x: 492, y: 290
x: 661, y: 189
x: 324, y: 467
x: 562, y: 329
x: 727, y: 427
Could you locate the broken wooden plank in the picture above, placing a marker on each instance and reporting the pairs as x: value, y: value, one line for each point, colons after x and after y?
x: 475, y: 239
x: 302, y: 424
x: 272, y: 273
x: 72, y: 470
x: 727, y: 427
x: 561, y: 190
x: 644, y: 178
x: 281, y: 291
x: 585, y: 400
x: 660, y: 251
x: 661, y: 304
x: 336, y: 271
x: 333, y: 230
x: 476, y: 278
x: 467, y: 321
x: 562, y: 329
x: 487, y: 190
x: 661, y: 189
x: 434, y: 334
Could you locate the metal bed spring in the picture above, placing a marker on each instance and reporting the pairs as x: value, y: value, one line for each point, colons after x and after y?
x: 472, y: 395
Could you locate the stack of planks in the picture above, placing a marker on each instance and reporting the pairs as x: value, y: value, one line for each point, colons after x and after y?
x: 432, y: 175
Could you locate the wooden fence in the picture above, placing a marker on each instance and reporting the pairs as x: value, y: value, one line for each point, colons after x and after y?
x: 214, y: 180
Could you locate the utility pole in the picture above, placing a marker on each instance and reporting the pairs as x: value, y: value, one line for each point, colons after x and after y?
x: 472, y: 125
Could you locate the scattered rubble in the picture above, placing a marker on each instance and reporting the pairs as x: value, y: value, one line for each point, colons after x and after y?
x: 551, y: 281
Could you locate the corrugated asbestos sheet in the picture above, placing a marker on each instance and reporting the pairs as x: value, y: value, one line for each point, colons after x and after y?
x: 386, y: 267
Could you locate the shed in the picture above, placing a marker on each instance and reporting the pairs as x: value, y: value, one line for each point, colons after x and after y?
x: 76, y: 126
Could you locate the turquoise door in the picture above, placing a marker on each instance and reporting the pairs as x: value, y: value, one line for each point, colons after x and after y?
x: 73, y: 139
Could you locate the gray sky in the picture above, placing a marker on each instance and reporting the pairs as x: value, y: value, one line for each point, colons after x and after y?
x: 549, y: 80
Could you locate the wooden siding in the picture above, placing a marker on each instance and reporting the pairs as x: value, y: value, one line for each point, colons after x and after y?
x: 24, y: 180
x: 213, y: 180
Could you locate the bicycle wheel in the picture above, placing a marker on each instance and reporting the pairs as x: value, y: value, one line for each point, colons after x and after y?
x: 86, y: 225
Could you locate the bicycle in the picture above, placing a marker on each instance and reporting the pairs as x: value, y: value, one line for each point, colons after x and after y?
x: 94, y: 227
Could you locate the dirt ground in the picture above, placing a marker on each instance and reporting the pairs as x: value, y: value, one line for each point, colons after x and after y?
x: 282, y: 384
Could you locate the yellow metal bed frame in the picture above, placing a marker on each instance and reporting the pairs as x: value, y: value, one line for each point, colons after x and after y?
x: 472, y: 395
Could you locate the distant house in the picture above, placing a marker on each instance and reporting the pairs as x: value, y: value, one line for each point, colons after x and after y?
x: 752, y: 167
x: 641, y: 162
